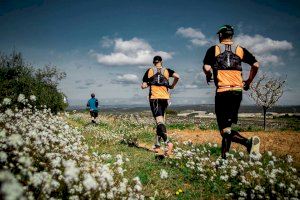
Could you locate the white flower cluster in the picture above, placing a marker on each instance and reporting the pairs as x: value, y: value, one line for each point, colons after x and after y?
x: 267, y: 177
x: 42, y: 157
x: 163, y: 174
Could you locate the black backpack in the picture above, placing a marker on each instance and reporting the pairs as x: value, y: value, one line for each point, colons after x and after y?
x: 158, y: 78
x: 228, y: 60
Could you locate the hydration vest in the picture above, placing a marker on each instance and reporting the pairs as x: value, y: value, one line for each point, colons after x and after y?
x: 227, y: 69
x: 159, y: 83
x: 159, y: 78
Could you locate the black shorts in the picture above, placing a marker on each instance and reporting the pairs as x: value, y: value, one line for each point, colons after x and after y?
x: 227, y: 106
x: 158, y: 106
x: 94, y: 113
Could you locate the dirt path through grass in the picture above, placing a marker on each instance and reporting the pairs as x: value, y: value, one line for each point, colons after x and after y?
x: 280, y: 143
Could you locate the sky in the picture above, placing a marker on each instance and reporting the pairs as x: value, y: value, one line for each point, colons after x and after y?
x: 105, y: 46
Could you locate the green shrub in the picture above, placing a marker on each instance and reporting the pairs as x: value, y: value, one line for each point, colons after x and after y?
x: 18, y: 77
x: 171, y: 112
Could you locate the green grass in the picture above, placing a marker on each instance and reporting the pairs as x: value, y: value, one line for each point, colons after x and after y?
x: 143, y: 164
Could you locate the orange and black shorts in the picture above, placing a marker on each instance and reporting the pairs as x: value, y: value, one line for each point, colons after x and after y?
x: 227, y: 106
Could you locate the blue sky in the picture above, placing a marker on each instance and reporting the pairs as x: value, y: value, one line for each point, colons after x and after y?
x: 106, y: 46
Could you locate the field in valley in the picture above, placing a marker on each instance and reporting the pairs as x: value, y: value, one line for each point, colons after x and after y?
x: 66, y: 156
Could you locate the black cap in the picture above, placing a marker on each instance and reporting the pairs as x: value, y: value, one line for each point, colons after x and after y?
x: 157, y: 59
x: 92, y: 95
x: 226, y: 29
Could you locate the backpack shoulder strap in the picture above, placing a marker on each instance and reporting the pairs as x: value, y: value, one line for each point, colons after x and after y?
x: 217, y: 50
x: 151, y: 72
x: 220, y: 48
x: 239, y: 51
x: 154, y: 70
x: 165, y: 72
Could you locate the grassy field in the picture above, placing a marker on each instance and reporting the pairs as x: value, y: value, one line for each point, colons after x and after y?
x: 196, y: 171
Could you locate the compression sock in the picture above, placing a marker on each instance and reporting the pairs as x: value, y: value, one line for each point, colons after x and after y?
x: 161, y: 131
x: 226, y: 142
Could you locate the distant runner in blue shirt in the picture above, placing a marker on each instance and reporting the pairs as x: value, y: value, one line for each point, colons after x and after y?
x: 92, y: 104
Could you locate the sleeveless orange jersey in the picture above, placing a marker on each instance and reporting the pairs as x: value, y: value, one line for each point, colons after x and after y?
x: 229, y: 79
x: 158, y: 92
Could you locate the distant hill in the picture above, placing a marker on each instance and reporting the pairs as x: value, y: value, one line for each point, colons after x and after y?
x: 203, y: 107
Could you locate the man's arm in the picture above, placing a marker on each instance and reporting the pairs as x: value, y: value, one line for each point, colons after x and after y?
x: 252, y: 74
x: 208, y: 61
x: 96, y: 103
x: 175, y: 81
x: 251, y: 60
x: 88, y: 104
x: 207, y: 69
x: 144, y: 85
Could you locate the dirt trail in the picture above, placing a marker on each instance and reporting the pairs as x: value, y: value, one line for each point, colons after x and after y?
x: 280, y: 143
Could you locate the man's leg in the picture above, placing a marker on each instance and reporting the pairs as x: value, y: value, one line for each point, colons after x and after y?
x: 162, y: 130
x: 226, y: 141
x: 92, y: 116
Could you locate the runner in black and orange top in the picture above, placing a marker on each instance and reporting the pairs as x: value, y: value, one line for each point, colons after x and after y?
x: 157, y: 78
x: 223, y: 62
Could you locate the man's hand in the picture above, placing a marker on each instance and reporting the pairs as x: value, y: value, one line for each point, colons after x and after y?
x: 175, y: 81
x: 171, y: 87
x: 144, y: 85
x: 208, y: 78
x: 207, y: 71
x: 247, y: 85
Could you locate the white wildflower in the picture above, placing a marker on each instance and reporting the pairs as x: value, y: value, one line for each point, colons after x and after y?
x: 21, y: 98
x: 242, y: 193
x: 234, y: 172
x: 26, y: 161
x: 9, y: 112
x: 6, y: 101
x: 163, y: 174
x: 224, y: 177
x: 106, y: 177
x: 123, y: 186
x: 15, y: 140
x: 270, y: 153
x: 10, y: 187
x: 3, y: 156
x: 138, y: 184
x: 271, y: 163
x: 32, y: 98
x: 71, y: 171
x: 241, y: 154
x: 89, y: 182
x: 289, y: 159
x: 282, y: 185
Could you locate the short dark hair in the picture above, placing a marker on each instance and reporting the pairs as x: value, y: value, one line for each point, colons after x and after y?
x: 226, y: 32
x: 92, y: 95
x: 157, y: 59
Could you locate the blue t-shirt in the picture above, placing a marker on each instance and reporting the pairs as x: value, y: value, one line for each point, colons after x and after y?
x: 93, y: 104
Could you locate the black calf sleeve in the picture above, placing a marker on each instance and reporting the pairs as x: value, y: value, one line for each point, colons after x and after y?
x: 226, y: 142
x: 238, y: 138
x: 161, y: 131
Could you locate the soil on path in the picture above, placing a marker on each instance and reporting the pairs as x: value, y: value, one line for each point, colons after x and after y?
x: 280, y: 143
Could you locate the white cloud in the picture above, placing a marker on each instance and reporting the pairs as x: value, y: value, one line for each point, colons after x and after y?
x: 188, y: 86
x: 106, y: 42
x: 126, y: 79
x: 264, y: 48
x: 196, y: 37
x: 130, y: 52
x: 89, y: 82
